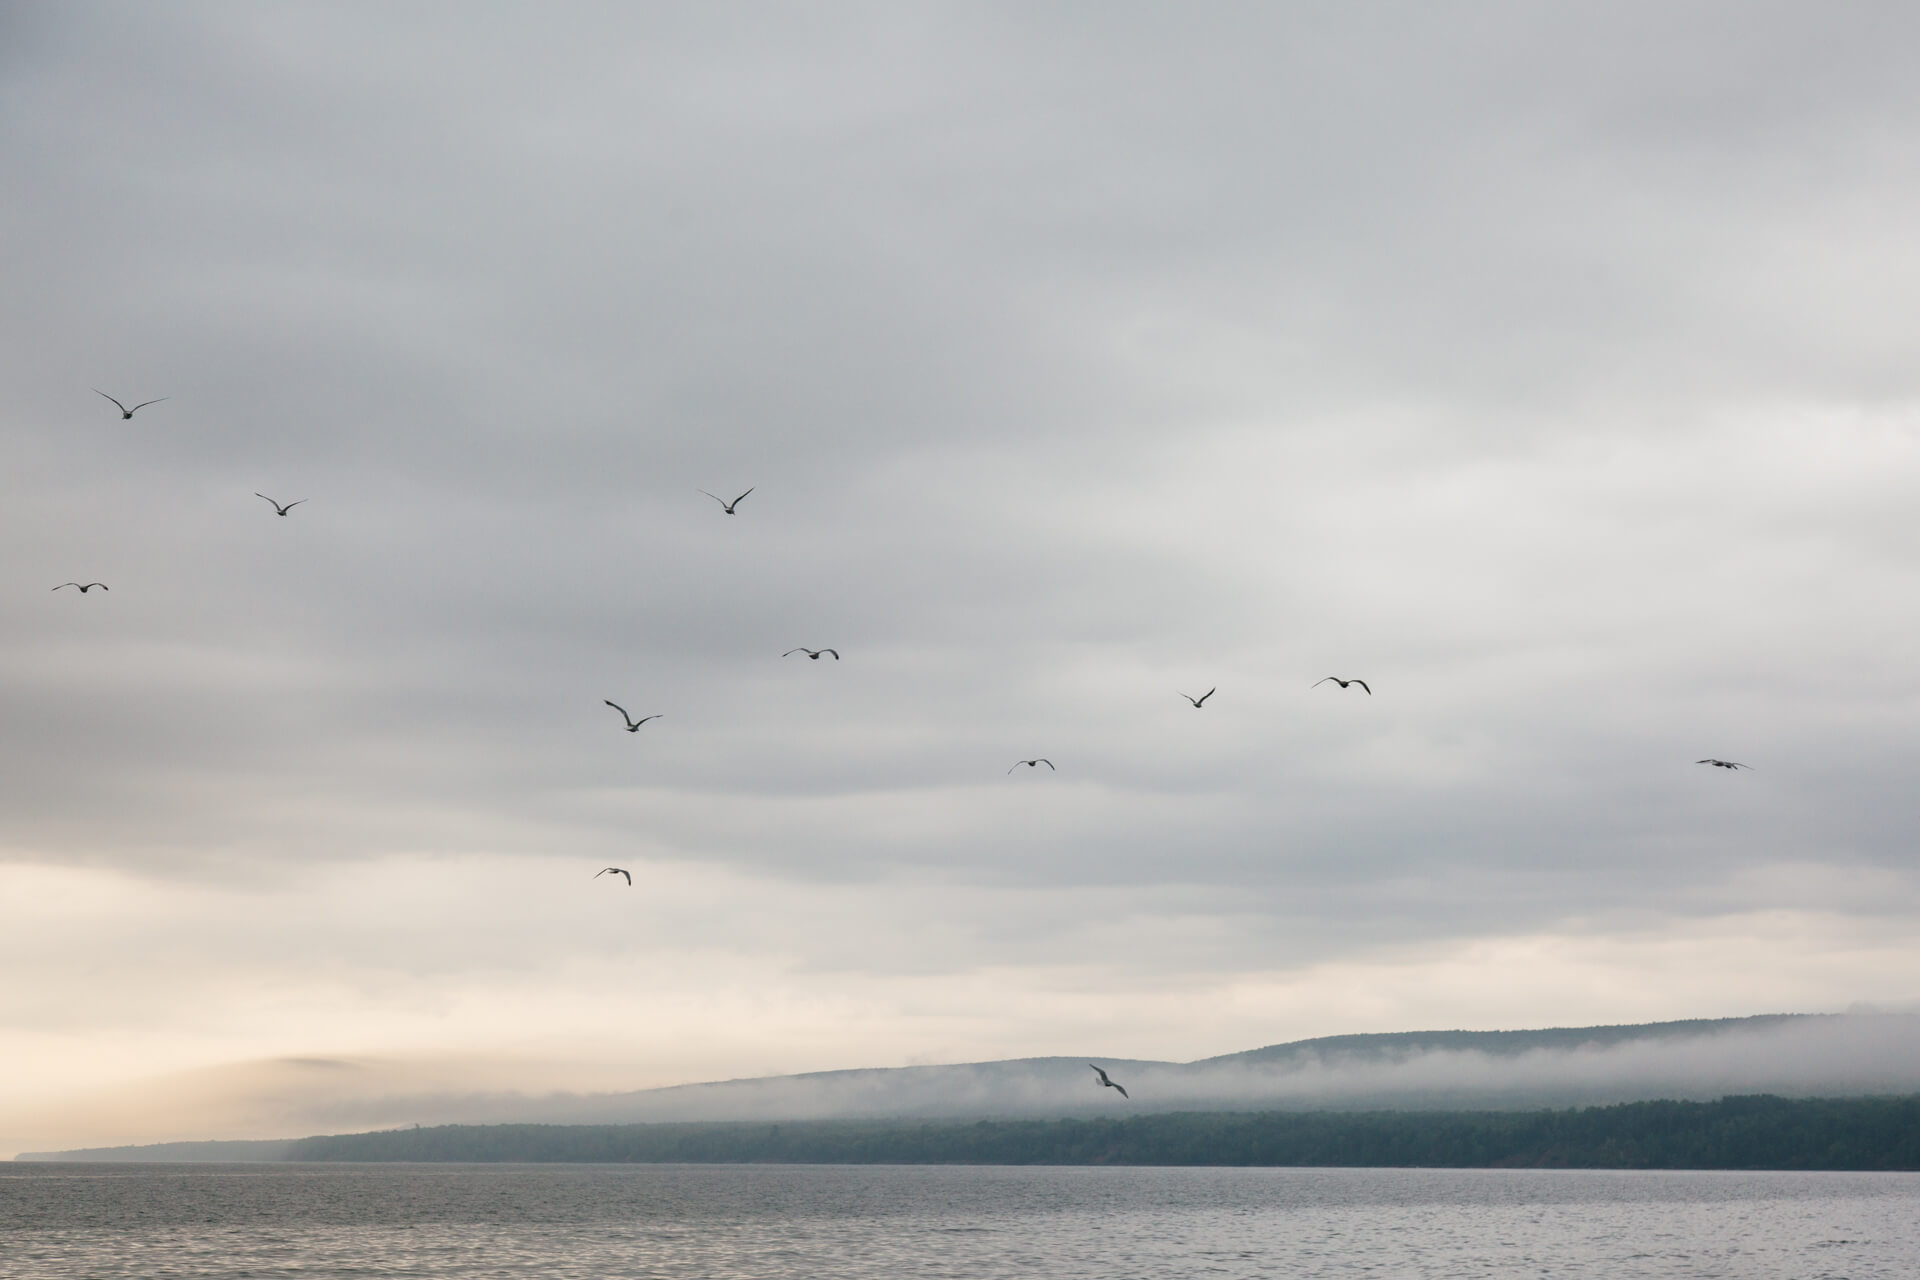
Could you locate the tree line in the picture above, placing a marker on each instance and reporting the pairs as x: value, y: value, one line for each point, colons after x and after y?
x: 1753, y: 1132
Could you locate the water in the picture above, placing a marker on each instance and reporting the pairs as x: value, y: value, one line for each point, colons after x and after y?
x: 724, y: 1222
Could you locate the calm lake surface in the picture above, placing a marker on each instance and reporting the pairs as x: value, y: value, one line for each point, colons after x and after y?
x: 816, y: 1221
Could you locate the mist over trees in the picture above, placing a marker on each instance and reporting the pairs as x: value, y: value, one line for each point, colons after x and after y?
x: 1811, y: 1056
x: 1522, y: 1071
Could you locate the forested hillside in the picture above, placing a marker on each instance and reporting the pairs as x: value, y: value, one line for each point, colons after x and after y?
x: 1759, y: 1132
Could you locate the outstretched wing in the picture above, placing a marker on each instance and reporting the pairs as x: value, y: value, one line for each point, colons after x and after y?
x: 789, y: 653
x: 1317, y: 683
x: 834, y: 652
x: 628, y: 875
x: 1208, y: 694
x: 1363, y: 685
x: 264, y: 498
x: 716, y: 497
x: 1123, y: 1091
x: 1097, y: 1071
x: 1048, y: 763
x: 291, y: 505
x: 655, y: 716
x: 116, y: 404
x: 67, y: 584
x: 1010, y: 768
x: 617, y: 707
x: 741, y: 496
x: 144, y: 403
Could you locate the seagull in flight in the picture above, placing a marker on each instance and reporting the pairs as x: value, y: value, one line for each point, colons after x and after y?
x: 124, y: 411
x: 1723, y: 764
x: 1037, y: 760
x: 619, y: 871
x: 1108, y: 1083
x: 277, y: 508
x: 633, y: 726
x: 812, y: 653
x: 1202, y: 698
x: 84, y: 586
x: 1344, y: 683
x: 727, y: 506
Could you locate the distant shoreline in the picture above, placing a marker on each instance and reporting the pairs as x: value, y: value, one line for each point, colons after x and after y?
x: 1756, y: 1132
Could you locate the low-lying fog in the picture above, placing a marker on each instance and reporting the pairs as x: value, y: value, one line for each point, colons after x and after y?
x: 1794, y: 1055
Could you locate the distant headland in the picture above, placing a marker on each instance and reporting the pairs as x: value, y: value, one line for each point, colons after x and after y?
x: 1774, y: 1091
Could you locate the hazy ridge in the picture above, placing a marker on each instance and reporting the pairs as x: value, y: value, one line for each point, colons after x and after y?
x: 1792, y: 1055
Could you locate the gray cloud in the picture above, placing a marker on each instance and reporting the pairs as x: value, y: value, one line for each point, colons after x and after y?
x: 1549, y: 369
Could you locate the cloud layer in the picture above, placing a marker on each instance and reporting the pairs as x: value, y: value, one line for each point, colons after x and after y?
x: 1548, y: 369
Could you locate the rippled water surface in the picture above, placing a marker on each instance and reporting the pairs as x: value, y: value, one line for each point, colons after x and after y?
x: 608, y: 1221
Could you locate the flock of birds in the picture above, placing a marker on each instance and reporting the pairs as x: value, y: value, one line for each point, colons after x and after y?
x: 633, y: 725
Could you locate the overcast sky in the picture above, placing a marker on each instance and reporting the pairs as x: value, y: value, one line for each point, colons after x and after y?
x: 1551, y: 368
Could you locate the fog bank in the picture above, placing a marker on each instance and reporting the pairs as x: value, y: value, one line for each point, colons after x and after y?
x: 1792, y: 1055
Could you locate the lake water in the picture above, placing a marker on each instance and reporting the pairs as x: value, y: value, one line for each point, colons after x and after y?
x: 747, y: 1221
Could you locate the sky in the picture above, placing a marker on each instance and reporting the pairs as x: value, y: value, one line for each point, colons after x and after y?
x: 1547, y: 367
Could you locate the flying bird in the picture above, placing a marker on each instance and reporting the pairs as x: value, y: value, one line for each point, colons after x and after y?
x: 84, y: 586
x: 812, y: 653
x: 277, y: 508
x: 1723, y: 764
x: 1344, y: 683
x: 727, y: 506
x: 1202, y: 698
x: 619, y: 871
x: 124, y: 411
x: 1038, y: 760
x: 1108, y: 1083
x: 633, y: 726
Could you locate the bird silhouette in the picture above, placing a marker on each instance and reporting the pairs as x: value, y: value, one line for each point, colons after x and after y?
x: 725, y: 505
x: 124, y: 411
x: 1037, y: 760
x: 1202, y: 698
x: 84, y: 586
x: 1723, y: 764
x: 1344, y: 683
x: 277, y: 508
x: 619, y: 871
x: 812, y: 653
x: 633, y: 726
x: 1110, y: 1084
